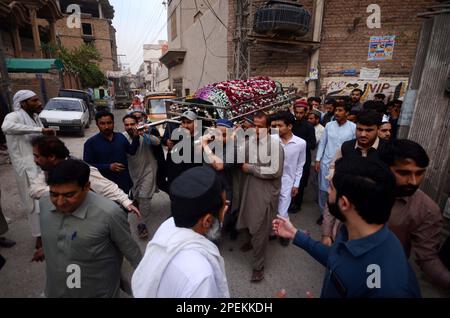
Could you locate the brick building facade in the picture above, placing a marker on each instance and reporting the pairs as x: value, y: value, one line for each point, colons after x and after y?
x: 343, y: 45
x: 96, y: 28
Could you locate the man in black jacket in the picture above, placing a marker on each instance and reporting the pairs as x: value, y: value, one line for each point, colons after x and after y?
x: 303, y: 129
x: 366, y: 144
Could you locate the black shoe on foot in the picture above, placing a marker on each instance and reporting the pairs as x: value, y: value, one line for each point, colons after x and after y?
x: 284, y: 241
x: 293, y: 208
x: 4, y: 242
x: 320, y: 220
x: 2, y: 261
x: 233, y: 234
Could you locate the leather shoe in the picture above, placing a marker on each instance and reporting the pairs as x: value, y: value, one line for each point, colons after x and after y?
x: 4, y: 242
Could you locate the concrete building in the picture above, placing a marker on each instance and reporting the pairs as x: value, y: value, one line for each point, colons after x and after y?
x: 154, y: 73
x: 96, y: 28
x: 197, y: 45
x: 212, y: 41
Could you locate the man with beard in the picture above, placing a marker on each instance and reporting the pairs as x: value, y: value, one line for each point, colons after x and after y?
x: 181, y: 261
x: 19, y: 128
x: 48, y: 151
x: 303, y: 129
x: 328, y: 116
x: 220, y: 153
x: 261, y: 185
x: 385, y: 131
x: 143, y: 169
x: 367, y: 260
x: 415, y: 218
x: 183, y: 152
x: 366, y: 144
x: 355, y: 100
x: 157, y: 149
x: 107, y: 151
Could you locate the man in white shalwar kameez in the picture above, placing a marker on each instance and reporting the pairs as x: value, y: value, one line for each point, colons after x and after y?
x: 20, y: 127
x: 181, y: 261
x: 294, y: 159
x: 143, y: 169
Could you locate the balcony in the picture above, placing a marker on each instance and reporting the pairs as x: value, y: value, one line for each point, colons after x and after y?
x: 173, y: 57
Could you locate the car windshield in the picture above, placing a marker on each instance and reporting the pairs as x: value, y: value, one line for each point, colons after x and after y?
x: 157, y: 106
x: 64, y: 105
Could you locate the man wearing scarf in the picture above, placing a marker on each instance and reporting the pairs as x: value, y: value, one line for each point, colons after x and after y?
x: 181, y: 261
x: 20, y: 127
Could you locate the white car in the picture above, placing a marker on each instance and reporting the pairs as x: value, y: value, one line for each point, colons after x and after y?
x: 66, y: 114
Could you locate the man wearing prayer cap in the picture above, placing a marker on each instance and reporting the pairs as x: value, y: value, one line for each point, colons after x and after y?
x: 181, y: 261
x: 20, y: 127
x: 248, y: 122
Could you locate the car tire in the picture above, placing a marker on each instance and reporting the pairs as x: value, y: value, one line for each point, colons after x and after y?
x: 81, y: 133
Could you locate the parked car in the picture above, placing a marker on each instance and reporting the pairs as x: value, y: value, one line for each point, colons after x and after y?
x: 66, y: 114
x: 75, y: 93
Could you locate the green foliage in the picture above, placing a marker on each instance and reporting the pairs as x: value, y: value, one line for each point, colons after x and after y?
x: 82, y: 60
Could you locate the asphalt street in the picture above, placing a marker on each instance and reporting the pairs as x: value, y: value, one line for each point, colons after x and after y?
x: 287, y: 268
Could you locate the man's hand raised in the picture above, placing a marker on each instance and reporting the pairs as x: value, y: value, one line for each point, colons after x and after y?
x: 283, y: 228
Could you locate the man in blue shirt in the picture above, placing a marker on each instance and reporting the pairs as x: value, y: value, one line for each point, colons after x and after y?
x: 107, y: 151
x: 367, y: 260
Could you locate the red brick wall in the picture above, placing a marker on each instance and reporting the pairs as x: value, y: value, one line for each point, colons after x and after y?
x: 345, y: 35
x: 71, y: 38
x: 30, y: 81
x: 344, y: 40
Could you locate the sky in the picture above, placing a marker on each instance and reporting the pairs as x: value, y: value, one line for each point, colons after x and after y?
x: 138, y: 22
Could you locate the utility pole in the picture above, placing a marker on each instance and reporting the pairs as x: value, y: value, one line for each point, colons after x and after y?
x: 5, y: 82
x: 242, y: 52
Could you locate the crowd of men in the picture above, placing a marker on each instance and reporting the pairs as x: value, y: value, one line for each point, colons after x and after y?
x: 250, y: 177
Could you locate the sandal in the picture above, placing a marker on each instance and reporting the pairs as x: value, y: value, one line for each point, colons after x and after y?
x: 257, y: 275
x: 142, y: 231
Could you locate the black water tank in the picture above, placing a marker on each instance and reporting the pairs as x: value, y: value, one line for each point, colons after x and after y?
x: 282, y: 17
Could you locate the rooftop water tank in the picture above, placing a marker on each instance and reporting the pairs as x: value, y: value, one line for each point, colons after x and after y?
x: 282, y: 17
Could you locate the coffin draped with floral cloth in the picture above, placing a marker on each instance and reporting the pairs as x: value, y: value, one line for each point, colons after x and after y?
x: 236, y: 98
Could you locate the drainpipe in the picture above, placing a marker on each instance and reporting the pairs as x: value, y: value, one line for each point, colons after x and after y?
x: 314, y: 57
x: 100, y: 11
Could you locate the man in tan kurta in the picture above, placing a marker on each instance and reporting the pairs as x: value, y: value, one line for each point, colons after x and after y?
x: 261, y: 186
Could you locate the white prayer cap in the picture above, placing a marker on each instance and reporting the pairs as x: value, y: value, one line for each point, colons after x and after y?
x: 20, y: 96
x: 385, y: 119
